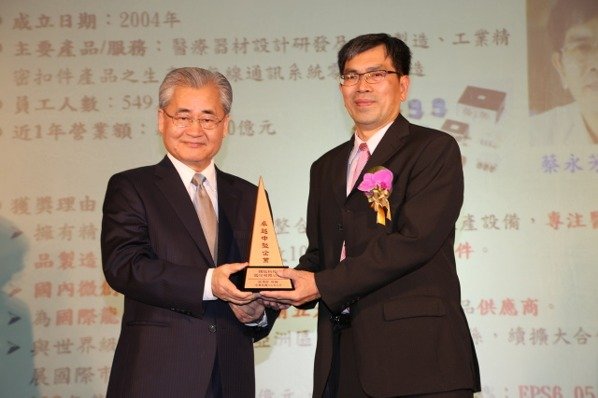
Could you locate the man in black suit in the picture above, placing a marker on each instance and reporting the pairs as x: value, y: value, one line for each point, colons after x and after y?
x: 186, y: 330
x: 380, y: 259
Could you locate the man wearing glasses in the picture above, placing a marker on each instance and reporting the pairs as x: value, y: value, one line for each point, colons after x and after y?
x: 186, y: 330
x: 573, y: 30
x: 380, y: 259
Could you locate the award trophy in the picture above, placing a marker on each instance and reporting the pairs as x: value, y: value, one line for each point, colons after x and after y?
x: 264, y: 253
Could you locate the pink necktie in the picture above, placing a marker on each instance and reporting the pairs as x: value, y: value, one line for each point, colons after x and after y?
x: 362, y: 157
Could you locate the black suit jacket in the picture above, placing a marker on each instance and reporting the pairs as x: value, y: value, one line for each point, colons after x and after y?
x: 154, y: 252
x: 399, y: 280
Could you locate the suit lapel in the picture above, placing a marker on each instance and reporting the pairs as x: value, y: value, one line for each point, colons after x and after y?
x: 228, y: 198
x: 169, y: 183
x: 390, y: 143
x: 340, y: 169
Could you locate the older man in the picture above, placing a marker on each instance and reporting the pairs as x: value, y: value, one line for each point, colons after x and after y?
x: 186, y: 330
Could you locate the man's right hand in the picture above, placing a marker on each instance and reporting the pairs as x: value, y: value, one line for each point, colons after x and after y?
x: 225, y: 290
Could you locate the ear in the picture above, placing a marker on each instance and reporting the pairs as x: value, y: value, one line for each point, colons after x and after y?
x: 225, y: 122
x: 404, y: 82
x: 557, y: 62
x: 161, y: 121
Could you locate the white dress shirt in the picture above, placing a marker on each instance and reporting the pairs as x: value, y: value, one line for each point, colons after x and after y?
x: 372, y: 144
x: 186, y: 173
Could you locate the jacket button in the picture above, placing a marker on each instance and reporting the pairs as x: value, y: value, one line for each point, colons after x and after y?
x: 212, y: 328
x: 339, y: 226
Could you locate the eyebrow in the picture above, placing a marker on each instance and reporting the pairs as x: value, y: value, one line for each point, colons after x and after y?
x: 203, y: 111
x: 578, y: 39
x: 580, y: 36
x: 370, y: 69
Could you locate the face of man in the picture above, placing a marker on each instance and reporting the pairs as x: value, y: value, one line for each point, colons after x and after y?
x: 577, y: 64
x: 193, y: 145
x: 371, y: 106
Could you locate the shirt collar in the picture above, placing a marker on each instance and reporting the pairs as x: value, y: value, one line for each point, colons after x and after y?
x: 372, y: 142
x: 186, y: 173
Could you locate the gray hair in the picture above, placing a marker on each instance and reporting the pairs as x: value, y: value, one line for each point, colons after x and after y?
x: 195, y: 78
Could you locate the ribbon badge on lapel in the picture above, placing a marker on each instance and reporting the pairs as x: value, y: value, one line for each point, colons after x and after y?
x: 377, y: 185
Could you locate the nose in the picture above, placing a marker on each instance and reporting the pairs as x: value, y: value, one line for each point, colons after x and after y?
x: 195, y: 129
x: 362, y: 85
x: 589, y: 57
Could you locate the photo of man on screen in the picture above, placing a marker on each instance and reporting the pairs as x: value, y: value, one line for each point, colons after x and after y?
x: 572, y: 27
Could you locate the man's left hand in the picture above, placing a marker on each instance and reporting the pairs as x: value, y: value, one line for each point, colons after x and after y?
x: 248, y: 313
x: 304, y: 292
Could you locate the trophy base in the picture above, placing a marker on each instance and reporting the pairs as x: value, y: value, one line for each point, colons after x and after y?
x: 259, y: 278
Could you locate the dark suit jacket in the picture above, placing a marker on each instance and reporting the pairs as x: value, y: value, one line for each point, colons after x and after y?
x: 400, y: 281
x: 154, y: 252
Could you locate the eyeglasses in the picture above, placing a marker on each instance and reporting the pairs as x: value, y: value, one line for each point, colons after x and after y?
x: 372, y: 77
x: 580, y: 50
x: 206, y: 122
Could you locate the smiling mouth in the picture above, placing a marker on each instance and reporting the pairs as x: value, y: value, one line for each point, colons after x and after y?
x: 363, y: 102
x: 195, y: 144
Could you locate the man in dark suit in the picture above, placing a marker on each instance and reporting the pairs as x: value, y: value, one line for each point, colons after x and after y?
x: 186, y: 330
x: 380, y: 259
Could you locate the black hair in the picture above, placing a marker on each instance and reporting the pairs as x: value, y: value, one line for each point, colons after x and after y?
x: 567, y: 13
x: 396, y: 49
